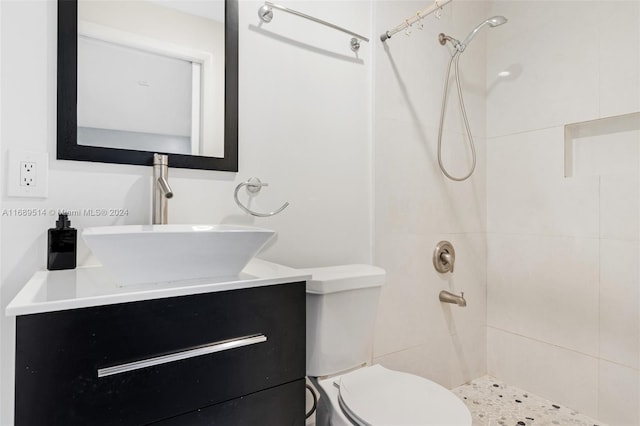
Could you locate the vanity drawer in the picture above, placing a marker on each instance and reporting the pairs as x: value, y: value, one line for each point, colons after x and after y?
x: 261, y: 408
x: 170, y: 356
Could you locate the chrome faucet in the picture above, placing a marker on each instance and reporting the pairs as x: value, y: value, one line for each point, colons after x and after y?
x: 447, y: 297
x: 161, y: 189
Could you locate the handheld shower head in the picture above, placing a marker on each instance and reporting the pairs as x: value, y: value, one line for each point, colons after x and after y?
x: 492, y: 22
x: 455, y: 57
x: 496, y: 21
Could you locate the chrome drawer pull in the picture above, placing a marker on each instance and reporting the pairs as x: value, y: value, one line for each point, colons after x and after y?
x: 220, y: 346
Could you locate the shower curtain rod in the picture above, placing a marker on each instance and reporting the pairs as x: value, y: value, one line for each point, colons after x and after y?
x: 437, y: 4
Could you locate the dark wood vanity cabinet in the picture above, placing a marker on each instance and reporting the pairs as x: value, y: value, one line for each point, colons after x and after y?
x: 227, y: 358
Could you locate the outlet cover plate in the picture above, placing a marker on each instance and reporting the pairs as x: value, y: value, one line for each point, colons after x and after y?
x: 40, y: 162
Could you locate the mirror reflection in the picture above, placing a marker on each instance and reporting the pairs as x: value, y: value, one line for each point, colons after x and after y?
x: 151, y: 75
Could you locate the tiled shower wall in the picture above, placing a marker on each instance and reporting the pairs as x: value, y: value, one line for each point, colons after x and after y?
x: 415, y: 206
x: 562, y: 271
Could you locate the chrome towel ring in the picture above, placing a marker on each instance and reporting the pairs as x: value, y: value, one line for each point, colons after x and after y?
x: 254, y: 185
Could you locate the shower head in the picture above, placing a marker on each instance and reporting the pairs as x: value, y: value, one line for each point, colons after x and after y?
x: 492, y: 22
x: 496, y: 20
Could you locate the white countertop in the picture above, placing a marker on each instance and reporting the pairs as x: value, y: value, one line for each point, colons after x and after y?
x: 49, y: 291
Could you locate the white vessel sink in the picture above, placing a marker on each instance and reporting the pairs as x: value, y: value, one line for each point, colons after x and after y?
x: 136, y: 254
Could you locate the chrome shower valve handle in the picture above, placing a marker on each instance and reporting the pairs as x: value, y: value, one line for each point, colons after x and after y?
x: 444, y: 257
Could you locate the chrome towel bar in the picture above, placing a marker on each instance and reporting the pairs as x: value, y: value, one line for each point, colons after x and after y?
x: 266, y: 15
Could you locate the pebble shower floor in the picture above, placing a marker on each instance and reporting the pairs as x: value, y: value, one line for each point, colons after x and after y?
x: 493, y: 403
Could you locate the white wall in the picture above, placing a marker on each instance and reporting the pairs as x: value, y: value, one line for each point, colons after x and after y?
x: 563, y: 299
x: 304, y: 128
x: 2, y: 299
x: 415, y: 206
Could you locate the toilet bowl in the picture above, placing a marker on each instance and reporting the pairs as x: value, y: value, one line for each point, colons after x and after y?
x: 341, y: 306
x: 381, y: 397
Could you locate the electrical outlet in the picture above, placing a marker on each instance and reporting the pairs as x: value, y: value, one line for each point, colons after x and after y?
x: 27, y: 174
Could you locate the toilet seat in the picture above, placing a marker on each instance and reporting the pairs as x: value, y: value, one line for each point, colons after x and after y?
x: 376, y: 396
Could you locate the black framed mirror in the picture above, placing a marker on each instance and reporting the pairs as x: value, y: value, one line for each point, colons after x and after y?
x: 82, y: 134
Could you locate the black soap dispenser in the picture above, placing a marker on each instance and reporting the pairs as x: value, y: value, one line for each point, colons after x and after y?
x: 62, y: 245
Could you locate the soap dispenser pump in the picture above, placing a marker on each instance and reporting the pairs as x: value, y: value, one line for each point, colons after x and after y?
x: 62, y: 243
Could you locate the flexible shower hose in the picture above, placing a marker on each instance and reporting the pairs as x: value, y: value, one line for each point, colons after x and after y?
x: 456, y: 57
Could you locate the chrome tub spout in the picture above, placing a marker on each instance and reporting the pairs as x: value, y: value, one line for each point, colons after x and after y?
x: 448, y: 297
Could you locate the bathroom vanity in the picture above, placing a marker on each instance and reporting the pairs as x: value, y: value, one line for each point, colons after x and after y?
x: 224, y: 352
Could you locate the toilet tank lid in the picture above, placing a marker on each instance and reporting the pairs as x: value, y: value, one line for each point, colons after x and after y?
x: 333, y: 279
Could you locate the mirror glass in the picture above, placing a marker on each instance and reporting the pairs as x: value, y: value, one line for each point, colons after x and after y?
x: 149, y: 76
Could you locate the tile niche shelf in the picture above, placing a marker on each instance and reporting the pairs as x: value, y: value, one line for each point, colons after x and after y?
x: 603, y: 146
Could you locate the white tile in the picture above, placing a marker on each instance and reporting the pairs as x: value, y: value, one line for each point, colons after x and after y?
x: 555, y: 66
x: 447, y: 360
x: 411, y: 193
x: 564, y: 376
x: 545, y: 288
x: 464, y: 203
x: 456, y: 153
x: 618, y: 394
x: 468, y: 359
x: 469, y: 276
x: 612, y: 152
x: 410, y: 313
x: 527, y: 192
x: 619, y: 61
x: 457, y: 158
x: 406, y: 179
x: 416, y: 332
x: 619, y: 206
x: 400, y: 63
x: 428, y: 360
x: 619, y: 302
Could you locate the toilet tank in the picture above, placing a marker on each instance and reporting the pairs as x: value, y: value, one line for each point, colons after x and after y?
x: 341, y: 310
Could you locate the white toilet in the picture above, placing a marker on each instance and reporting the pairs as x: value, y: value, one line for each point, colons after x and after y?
x: 341, y: 311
